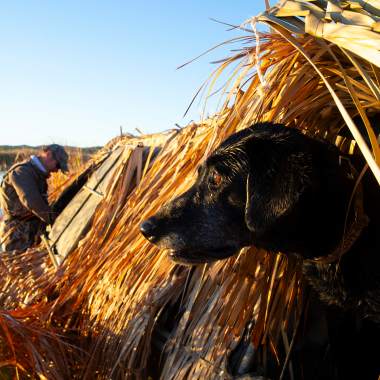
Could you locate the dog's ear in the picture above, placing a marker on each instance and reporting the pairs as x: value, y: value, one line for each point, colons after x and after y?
x: 279, y: 173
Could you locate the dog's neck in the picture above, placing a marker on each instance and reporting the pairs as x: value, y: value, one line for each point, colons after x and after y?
x: 332, y: 214
x: 352, y: 229
x: 316, y: 225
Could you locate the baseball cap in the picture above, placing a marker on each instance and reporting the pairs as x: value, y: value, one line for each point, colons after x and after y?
x: 60, y: 155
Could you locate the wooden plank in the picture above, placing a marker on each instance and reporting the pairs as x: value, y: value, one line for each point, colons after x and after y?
x: 76, y: 204
x: 93, y: 192
x: 99, y: 175
x: 68, y: 215
x: 74, y: 231
x: 76, y: 217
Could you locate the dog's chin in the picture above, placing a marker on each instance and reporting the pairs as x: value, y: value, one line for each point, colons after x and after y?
x: 192, y: 257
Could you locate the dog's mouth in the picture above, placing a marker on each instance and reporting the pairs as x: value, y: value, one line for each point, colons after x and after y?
x: 193, y: 257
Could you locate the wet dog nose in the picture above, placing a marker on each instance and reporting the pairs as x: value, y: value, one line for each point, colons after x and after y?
x: 148, y: 229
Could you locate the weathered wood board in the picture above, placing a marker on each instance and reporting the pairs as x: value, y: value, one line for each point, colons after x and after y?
x: 76, y: 217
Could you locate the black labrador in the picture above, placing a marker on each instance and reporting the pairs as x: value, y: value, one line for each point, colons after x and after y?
x: 278, y: 189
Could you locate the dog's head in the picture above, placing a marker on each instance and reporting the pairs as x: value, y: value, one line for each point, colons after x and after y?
x: 247, y: 186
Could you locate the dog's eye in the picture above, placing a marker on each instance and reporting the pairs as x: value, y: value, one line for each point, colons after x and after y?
x: 216, y: 178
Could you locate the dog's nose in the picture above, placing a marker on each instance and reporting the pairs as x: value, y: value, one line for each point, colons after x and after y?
x: 148, y: 229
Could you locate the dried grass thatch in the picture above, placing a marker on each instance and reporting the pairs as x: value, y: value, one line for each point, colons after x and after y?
x: 94, y: 317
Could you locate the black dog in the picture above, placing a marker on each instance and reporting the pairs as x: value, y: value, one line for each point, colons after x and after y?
x: 280, y: 190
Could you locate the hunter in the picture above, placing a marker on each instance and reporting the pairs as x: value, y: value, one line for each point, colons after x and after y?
x: 23, y: 197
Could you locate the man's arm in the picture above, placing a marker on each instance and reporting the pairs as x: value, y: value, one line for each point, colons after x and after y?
x: 25, y: 183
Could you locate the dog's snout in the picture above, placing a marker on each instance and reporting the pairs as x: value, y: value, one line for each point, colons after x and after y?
x: 148, y: 229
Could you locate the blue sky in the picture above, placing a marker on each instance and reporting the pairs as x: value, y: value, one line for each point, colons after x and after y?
x: 73, y: 72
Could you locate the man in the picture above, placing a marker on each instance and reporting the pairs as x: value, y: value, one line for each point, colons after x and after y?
x: 23, y: 196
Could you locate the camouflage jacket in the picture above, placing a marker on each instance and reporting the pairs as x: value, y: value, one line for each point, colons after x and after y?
x: 24, y: 190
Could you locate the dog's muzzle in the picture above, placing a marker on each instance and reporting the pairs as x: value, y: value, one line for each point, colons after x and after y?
x: 148, y: 229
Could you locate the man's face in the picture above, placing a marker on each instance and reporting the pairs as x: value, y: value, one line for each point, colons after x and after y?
x: 50, y: 163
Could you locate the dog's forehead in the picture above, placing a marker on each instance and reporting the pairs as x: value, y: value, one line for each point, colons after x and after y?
x: 229, y: 150
x: 226, y: 159
x: 233, y: 153
x: 235, y: 141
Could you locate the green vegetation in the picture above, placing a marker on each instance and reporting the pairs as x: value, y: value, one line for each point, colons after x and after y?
x: 4, y: 374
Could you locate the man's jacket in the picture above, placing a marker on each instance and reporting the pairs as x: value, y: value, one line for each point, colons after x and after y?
x: 23, y: 195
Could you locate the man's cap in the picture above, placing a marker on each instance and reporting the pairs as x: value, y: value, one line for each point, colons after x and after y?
x: 60, y: 155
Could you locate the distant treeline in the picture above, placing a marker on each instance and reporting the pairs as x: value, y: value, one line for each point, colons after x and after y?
x: 11, y: 154
x: 17, y: 148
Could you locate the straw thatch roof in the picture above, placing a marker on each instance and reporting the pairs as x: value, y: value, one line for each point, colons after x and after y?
x: 94, y: 317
